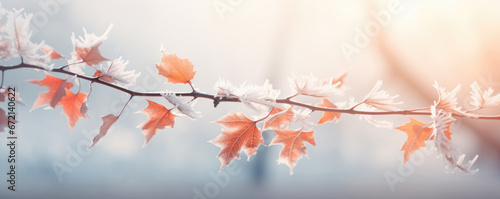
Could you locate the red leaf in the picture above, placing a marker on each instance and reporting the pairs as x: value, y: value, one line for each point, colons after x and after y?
x: 159, y: 117
x: 91, y: 56
x: 241, y: 134
x: 175, y: 69
x: 280, y: 120
x: 293, y: 142
x: 107, y: 121
x: 56, y: 91
x: 71, y: 106
x: 417, y: 133
x: 328, y: 116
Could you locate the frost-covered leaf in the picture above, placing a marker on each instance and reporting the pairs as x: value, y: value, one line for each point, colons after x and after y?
x: 184, y: 106
x: 19, y: 33
x: 87, y: 47
x: 293, y: 142
x: 255, y: 97
x: 448, y: 100
x: 441, y: 124
x: 5, y: 48
x: 381, y: 99
x: 483, y: 99
x: 115, y: 72
x: 240, y: 134
x: 312, y: 86
x: 281, y: 119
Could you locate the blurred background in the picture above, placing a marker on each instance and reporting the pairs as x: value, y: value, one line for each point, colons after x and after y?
x: 406, y: 43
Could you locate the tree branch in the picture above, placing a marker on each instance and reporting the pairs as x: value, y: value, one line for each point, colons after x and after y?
x: 217, y: 100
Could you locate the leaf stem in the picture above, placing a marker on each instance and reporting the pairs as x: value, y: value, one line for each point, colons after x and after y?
x: 1, y: 84
x: 131, y: 96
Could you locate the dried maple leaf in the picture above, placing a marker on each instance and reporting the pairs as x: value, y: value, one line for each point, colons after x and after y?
x: 107, y: 121
x: 175, y: 69
x: 91, y: 56
x: 240, y: 134
x: 328, y: 116
x: 87, y: 47
x: 417, y: 133
x: 280, y: 120
x: 293, y: 142
x: 56, y: 91
x: 71, y: 106
x: 159, y: 117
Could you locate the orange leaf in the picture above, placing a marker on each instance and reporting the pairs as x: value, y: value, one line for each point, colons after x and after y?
x: 52, y: 52
x: 328, y: 116
x: 107, y: 121
x: 417, y: 133
x: 240, y: 134
x: 71, y: 106
x: 280, y: 120
x: 293, y: 142
x: 276, y: 110
x: 175, y: 69
x: 159, y: 117
x: 56, y: 91
x: 91, y: 56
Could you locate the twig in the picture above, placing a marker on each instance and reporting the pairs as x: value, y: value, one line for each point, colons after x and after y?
x: 216, y: 100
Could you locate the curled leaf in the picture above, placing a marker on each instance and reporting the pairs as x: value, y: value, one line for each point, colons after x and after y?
x: 107, y: 121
